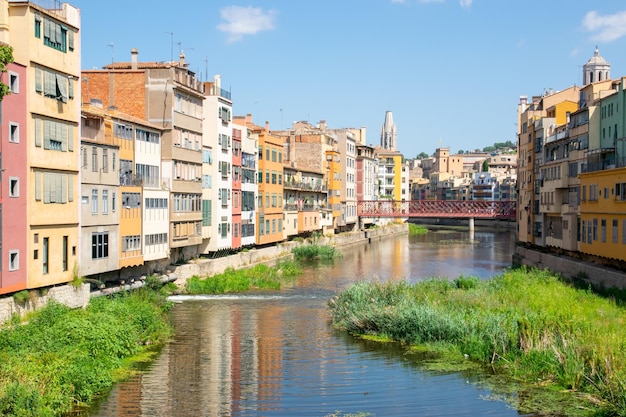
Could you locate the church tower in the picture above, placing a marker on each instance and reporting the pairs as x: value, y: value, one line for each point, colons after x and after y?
x: 388, y: 134
x: 596, y: 69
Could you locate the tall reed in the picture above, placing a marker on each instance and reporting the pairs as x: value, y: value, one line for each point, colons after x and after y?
x: 526, y: 324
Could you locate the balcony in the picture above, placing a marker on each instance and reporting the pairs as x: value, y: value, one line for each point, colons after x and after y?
x: 299, y: 185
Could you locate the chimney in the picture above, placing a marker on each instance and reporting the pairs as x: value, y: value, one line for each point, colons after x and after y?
x: 133, y: 58
x: 217, y: 82
x: 248, y: 119
x: 181, y: 60
x: 267, y: 127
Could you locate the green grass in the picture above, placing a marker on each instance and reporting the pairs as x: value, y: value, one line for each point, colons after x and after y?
x: 240, y: 280
x: 315, y: 251
x: 63, y: 358
x: 526, y: 325
x: 417, y: 229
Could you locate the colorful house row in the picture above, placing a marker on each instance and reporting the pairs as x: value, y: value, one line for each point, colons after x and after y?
x: 115, y: 172
x: 573, y: 167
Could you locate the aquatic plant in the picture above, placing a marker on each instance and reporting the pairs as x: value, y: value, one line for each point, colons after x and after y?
x: 526, y: 324
x: 417, y: 229
x: 239, y: 280
x: 315, y: 251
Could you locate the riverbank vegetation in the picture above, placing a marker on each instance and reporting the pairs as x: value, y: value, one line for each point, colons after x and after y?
x: 417, y: 229
x: 314, y: 251
x: 62, y: 358
x: 239, y: 280
x: 566, y: 344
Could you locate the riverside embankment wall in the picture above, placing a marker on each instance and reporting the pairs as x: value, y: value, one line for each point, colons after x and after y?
x: 595, y: 275
x: 78, y: 297
x: 270, y: 255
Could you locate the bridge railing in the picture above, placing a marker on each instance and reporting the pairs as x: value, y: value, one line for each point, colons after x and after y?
x: 438, y: 208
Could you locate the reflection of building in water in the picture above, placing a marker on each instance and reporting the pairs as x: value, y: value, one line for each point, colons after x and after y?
x: 270, y: 354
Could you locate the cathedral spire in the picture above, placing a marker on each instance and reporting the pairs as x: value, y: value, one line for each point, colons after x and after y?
x: 388, y: 134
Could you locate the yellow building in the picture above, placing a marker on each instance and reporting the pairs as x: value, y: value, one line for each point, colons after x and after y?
x: 46, y: 42
x: 333, y: 169
x: 270, y: 182
x: 602, y: 229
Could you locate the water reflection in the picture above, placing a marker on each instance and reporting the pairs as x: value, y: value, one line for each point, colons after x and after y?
x: 274, y: 354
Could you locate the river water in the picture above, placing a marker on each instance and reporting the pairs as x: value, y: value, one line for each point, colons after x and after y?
x: 275, y: 354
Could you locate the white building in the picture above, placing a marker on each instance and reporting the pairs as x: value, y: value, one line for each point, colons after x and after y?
x: 217, y: 169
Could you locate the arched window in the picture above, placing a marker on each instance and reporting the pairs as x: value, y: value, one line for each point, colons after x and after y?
x: 599, y: 76
x: 590, y: 76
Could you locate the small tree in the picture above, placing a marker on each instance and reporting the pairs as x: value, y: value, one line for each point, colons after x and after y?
x: 6, y: 57
x: 486, y: 165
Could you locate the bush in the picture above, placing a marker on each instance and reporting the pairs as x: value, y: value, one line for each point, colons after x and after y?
x: 65, y: 357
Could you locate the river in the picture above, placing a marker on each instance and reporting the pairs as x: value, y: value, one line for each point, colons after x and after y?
x: 275, y: 354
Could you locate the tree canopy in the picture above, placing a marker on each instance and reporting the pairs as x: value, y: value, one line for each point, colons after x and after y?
x: 6, y: 57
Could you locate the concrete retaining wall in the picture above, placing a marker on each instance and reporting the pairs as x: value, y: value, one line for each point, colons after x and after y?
x: 571, y: 268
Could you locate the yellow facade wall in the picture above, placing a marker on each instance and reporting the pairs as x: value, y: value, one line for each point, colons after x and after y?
x: 603, y: 213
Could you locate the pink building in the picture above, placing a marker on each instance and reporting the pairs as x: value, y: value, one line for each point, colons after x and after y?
x: 13, y: 187
x: 236, y: 210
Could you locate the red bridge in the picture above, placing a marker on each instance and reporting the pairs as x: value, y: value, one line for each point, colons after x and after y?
x: 457, y: 209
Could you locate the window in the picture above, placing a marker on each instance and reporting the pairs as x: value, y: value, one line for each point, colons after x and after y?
x: 99, y: 245
x: 55, y: 35
x: 65, y: 252
x: 14, y: 260
x: 54, y: 85
x: 14, y: 187
x: 14, y: 132
x: 45, y: 254
x: 614, y: 231
x: 105, y: 160
x: 105, y: 201
x: 94, y: 201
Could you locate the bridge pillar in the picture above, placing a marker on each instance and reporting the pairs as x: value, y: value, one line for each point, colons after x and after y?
x: 471, y: 229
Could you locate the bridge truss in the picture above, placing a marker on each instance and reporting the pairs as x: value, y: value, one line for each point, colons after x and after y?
x: 457, y: 209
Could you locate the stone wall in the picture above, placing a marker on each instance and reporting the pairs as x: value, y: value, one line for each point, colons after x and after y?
x: 65, y: 294
x: 571, y: 268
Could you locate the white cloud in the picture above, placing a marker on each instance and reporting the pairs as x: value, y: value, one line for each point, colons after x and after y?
x: 431, y: 1
x: 465, y: 3
x: 239, y: 21
x: 608, y: 28
x: 398, y: 1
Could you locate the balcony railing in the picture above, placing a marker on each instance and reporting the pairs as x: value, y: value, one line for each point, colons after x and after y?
x: 131, y: 180
x: 298, y: 185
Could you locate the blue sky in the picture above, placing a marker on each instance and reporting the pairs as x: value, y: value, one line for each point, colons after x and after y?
x: 450, y: 71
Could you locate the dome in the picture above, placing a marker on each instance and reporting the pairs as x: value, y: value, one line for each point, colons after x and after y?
x: 596, y: 59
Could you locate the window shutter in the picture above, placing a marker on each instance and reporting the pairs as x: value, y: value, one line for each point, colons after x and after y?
x: 37, y: 186
x: 61, y: 83
x: 38, y: 80
x: 47, y: 133
x: 62, y: 135
x: 38, y: 132
x: 46, y: 188
x: 70, y: 188
x: 62, y: 193
x: 70, y: 86
x: 70, y: 138
x: 70, y: 40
